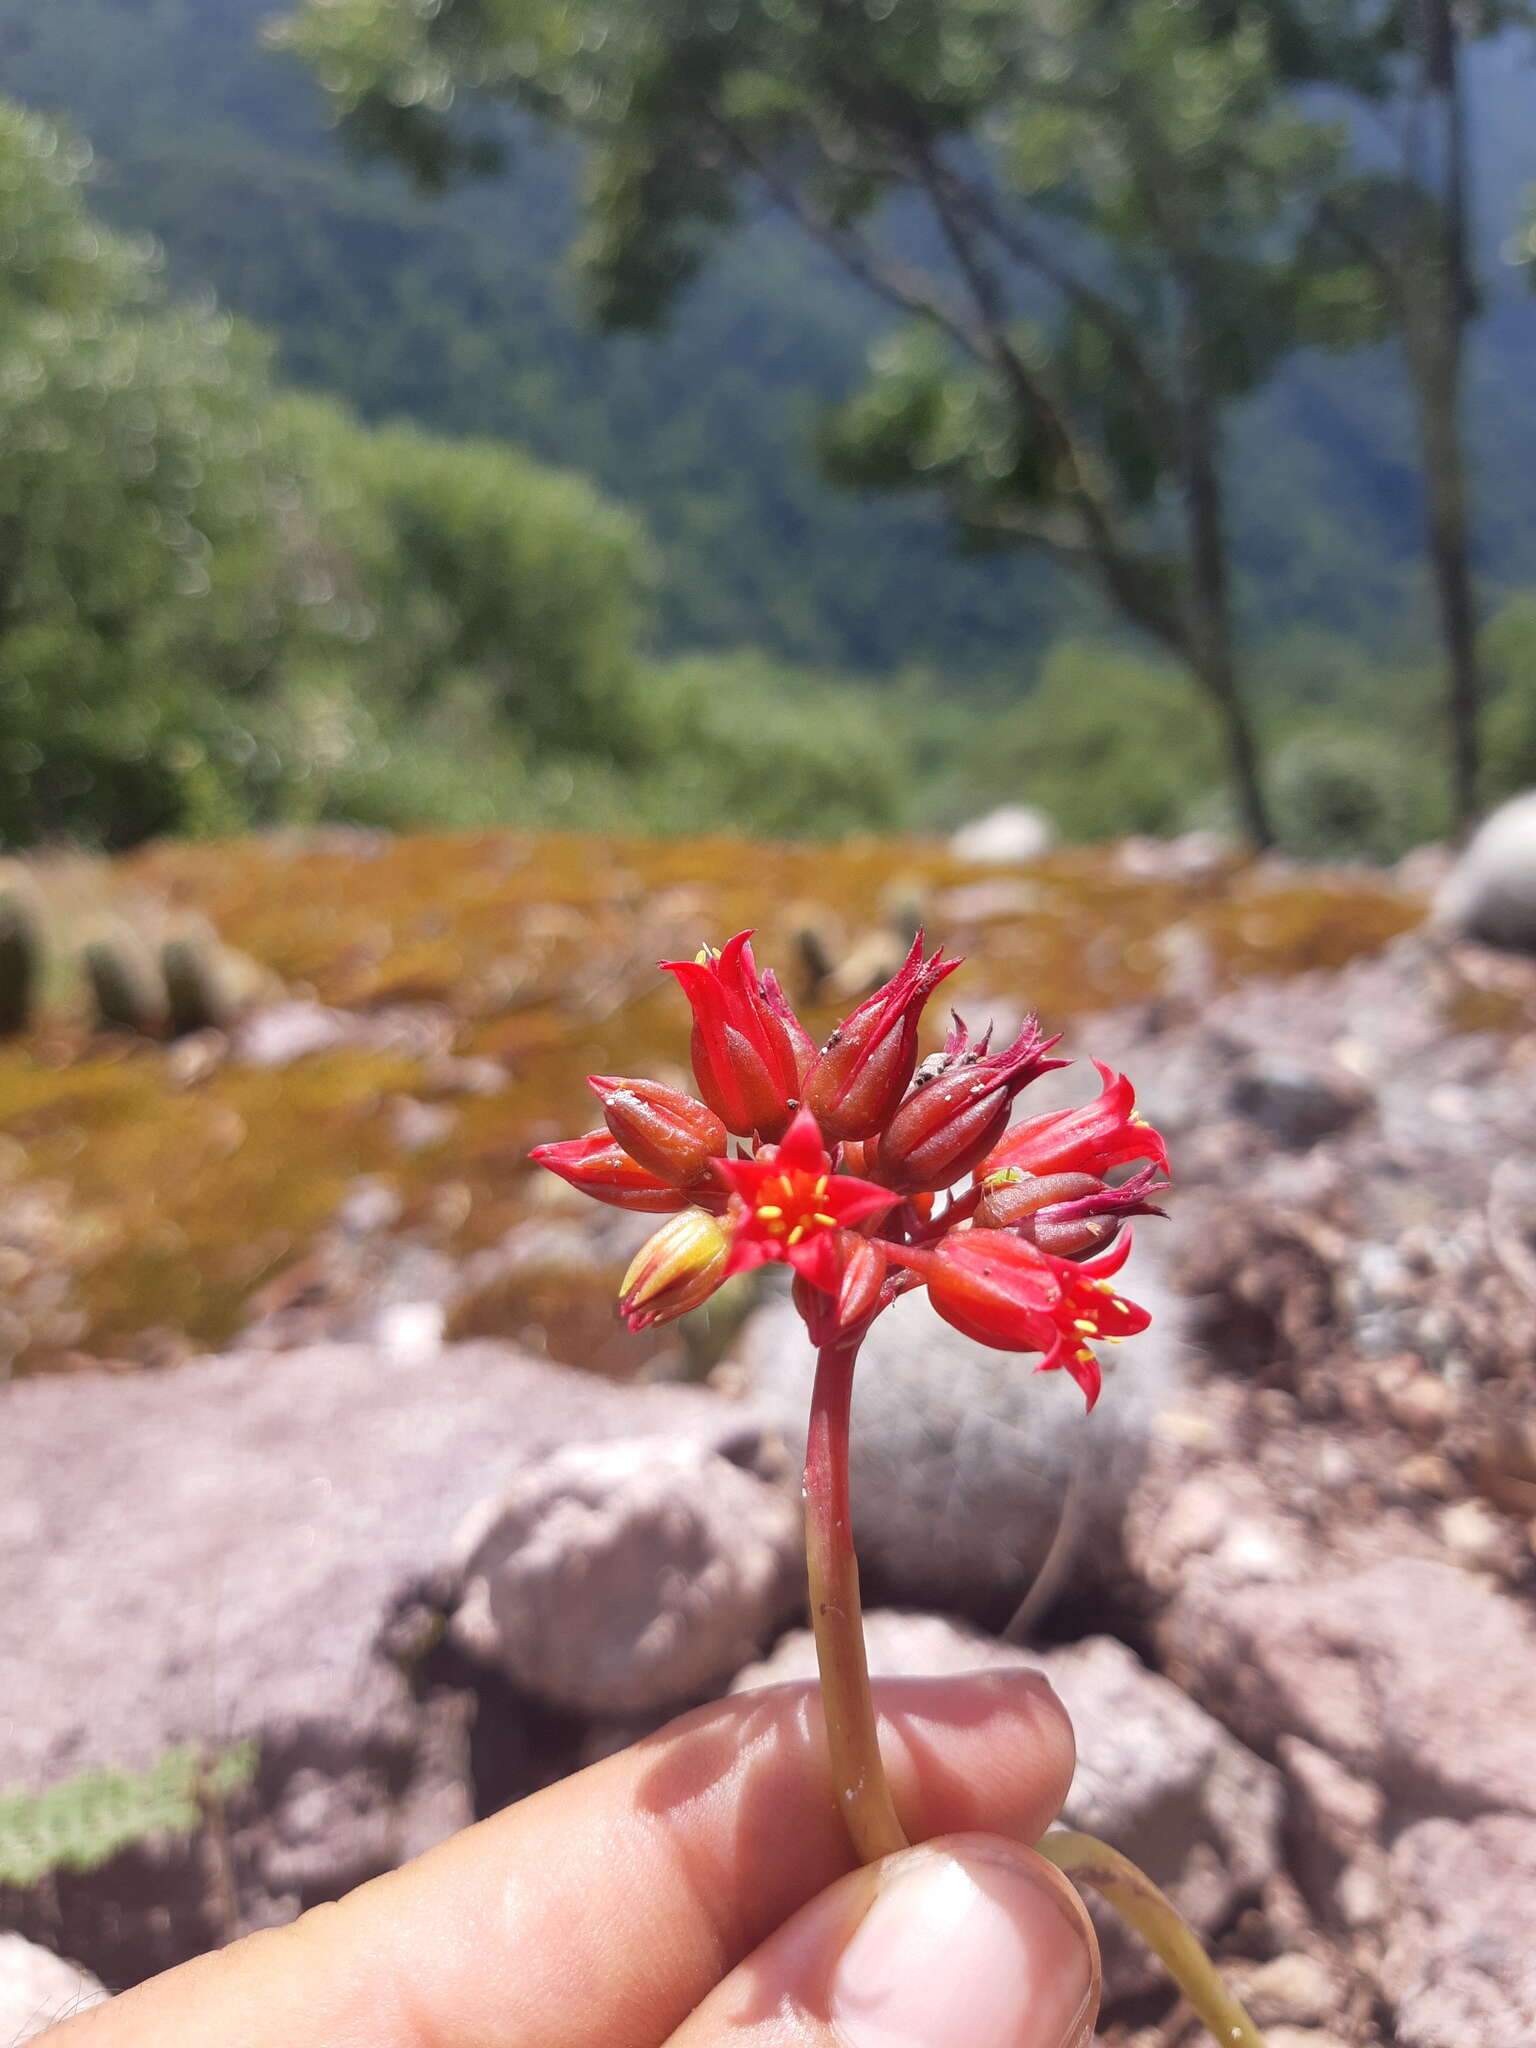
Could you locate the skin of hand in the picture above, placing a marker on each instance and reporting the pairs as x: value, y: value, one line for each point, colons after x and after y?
x: 694, y: 1891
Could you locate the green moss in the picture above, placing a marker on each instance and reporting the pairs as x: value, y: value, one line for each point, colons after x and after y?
x: 185, y: 1195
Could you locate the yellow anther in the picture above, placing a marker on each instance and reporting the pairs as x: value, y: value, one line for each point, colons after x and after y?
x: 823, y: 1184
x: 1111, y: 1340
x: 798, y: 1232
x: 827, y: 1222
x: 770, y: 1210
x: 1088, y: 1329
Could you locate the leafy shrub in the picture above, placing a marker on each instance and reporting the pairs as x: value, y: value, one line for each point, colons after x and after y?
x: 1105, y: 744
x: 1343, y: 792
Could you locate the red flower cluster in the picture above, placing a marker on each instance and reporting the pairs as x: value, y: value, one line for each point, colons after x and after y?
x: 847, y: 1165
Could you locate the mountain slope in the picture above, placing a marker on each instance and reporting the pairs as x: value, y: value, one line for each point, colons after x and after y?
x: 460, y: 314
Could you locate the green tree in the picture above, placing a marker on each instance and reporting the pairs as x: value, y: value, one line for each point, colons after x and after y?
x: 459, y: 559
x: 1098, y: 221
x: 1407, y: 215
x: 213, y: 597
x: 138, y: 579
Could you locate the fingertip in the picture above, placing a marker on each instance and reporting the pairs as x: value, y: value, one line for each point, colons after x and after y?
x: 970, y: 1941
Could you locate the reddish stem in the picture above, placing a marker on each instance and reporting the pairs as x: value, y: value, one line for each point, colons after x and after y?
x: 853, y: 1741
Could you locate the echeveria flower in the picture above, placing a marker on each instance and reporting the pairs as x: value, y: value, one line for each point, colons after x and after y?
x: 869, y: 1174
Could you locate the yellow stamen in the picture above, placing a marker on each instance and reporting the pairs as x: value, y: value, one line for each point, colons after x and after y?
x: 798, y: 1232
x: 769, y: 1210
x: 1088, y: 1329
x: 822, y: 1185
x: 828, y: 1222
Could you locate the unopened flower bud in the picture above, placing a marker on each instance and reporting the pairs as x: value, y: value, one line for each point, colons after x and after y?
x: 865, y: 1068
x: 949, y: 1124
x: 675, y: 1270
x: 749, y: 1049
x: 669, y: 1133
x: 1069, y: 1214
x: 855, y: 1271
x: 599, y: 1166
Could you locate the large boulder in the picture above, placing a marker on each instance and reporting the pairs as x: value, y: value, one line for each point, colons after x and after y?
x: 1006, y: 837
x: 250, y: 1548
x: 38, y: 1989
x: 1156, y: 1777
x: 1490, y: 894
x: 628, y: 1577
x: 968, y: 1469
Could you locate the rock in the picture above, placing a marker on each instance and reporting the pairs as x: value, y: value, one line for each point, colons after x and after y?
x: 38, y: 1988
x: 1413, y: 1676
x: 963, y: 1459
x: 1156, y: 1777
x: 1477, y: 1537
x: 1293, y: 1990
x: 1302, y: 2037
x: 995, y: 902
x: 1459, y: 1967
x: 1187, y: 857
x: 1006, y: 837
x: 897, y: 1644
x: 1490, y: 894
x: 236, y: 1549
x: 1171, y: 1789
x: 1296, y: 1103
x: 627, y: 1577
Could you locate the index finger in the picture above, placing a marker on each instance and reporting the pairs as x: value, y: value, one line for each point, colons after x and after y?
x: 606, y: 1907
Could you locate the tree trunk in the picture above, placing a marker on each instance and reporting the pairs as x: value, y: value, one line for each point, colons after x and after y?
x: 1438, y: 392
x: 1439, y: 305
x: 1212, y: 651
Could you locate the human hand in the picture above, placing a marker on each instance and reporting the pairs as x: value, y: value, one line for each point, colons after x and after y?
x: 695, y: 1891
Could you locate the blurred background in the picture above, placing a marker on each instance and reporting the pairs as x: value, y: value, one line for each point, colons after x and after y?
x: 953, y: 400
x: 494, y: 493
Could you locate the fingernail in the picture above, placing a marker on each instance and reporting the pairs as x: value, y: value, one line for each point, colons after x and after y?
x: 969, y: 1949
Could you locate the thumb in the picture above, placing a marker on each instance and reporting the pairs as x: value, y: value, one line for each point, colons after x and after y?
x: 970, y: 1941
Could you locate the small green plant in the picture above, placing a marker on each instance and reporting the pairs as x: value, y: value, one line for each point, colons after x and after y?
x: 195, y: 996
x: 21, y: 963
x: 84, y: 1822
x: 122, y: 988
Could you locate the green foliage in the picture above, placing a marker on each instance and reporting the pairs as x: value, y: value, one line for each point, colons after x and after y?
x: 1105, y: 744
x: 452, y: 558
x: 195, y: 999
x: 125, y: 991
x: 1508, y: 651
x: 84, y: 1822
x: 203, y: 585
x: 1343, y: 792
x: 735, y: 740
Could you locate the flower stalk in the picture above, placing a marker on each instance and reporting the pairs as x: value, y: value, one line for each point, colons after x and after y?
x: 837, y: 1617
x: 1161, y: 1926
x: 868, y: 1175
